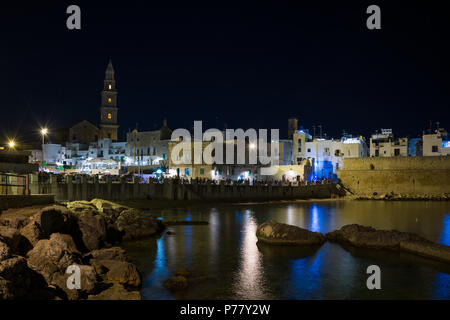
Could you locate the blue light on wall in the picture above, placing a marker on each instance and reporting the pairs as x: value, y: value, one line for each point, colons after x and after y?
x: 445, y: 143
x: 323, y: 169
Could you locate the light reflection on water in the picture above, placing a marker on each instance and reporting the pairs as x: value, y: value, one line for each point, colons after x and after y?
x: 248, y: 284
x: 225, y: 253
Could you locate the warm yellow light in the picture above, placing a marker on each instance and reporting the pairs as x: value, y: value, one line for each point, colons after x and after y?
x: 109, y: 100
x: 109, y: 115
x: 11, y: 144
x: 44, y: 131
x: 109, y: 86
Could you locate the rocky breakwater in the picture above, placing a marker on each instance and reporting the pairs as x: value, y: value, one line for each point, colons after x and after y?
x: 36, y: 252
x: 368, y: 237
x: 276, y: 233
x: 402, y: 197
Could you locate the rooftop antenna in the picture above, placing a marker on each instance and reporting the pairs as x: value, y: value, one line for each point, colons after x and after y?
x: 437, y: 124
x: 320, y: 131
x: 314, y: 131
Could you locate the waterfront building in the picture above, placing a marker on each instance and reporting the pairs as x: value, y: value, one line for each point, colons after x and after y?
x: 326, y: 154
x: 436, y: 143
x: 384, y: 144
x: 148, y: 149
x: 285, y: 170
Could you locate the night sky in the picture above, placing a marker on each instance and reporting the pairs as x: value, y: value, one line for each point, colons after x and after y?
x: 246, y: 66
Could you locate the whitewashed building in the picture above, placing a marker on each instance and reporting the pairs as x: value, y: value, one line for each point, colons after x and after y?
x: 384, y: 144
x: 327, y: 154
x: 148, y: 148
x: 437, y: 143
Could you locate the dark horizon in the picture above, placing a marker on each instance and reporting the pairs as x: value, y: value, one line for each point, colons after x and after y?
x: 252, y: 66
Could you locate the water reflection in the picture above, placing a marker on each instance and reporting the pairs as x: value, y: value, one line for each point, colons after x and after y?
x: 445, y: 234
x: 249, y: 280
x: 227, y: 254
x: 314, y: 225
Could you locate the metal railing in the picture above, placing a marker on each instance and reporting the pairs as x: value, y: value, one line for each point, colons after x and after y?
x: 13, y: 184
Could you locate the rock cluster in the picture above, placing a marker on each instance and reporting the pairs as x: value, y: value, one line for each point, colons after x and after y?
x: 283, y: 234
x: 368, y: 237
x: 404, y: 197
x: 272, y: 232
x: 35, y: 251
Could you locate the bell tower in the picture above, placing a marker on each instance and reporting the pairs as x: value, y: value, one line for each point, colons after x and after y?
x: 108, y: 108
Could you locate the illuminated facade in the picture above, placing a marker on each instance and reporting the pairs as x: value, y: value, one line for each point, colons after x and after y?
x: 384, y: 144
x: 326, y: 154
x: 437, y: 143
x: 148, y: 148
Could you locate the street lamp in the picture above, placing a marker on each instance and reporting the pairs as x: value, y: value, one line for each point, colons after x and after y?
x: 44, y: 131
x: 11, y: 144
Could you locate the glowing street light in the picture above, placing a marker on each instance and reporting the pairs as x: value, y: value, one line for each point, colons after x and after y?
x: 252, y: 146
x: 11, y: 144
x: 44, y: 132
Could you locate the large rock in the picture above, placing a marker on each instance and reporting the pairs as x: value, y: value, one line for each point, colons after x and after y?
x: 52, y: 257
x: 283, y: 234
x: 136, y: 224
x: 14, y: 222
x: 14, y: 283
x: 427, y: 249
x: 5, y: 252
x: 92, y: 229
x: 51, y: 219
x: 176, y: 283
x: 18, y: 281
x: 89, y: 282
x: 122, y: 272
x: 108, y: 208
x: 11, y: 237
x: 33, y: 233
x: 113, y: 253
x: 116, y: 291
x: 368, y: 237
x: 82, y: 206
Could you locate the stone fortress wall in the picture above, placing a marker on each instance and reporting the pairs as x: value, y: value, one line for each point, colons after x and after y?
x: 408, y: 176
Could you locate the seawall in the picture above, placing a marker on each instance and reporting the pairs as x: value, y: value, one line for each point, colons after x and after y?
x: 20, y: 201
x: 70, y: 190
x: 408, y: 176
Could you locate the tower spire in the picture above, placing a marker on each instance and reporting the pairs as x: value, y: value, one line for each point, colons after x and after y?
x: 108, y: 108
x: 109, y: 74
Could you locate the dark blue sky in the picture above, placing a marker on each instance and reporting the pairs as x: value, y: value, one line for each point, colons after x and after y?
x: 247, y: 66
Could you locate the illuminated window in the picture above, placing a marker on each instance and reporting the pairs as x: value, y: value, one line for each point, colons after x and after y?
x: 109, y: 100
x: 109, y: 87
x: 109, y: 115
